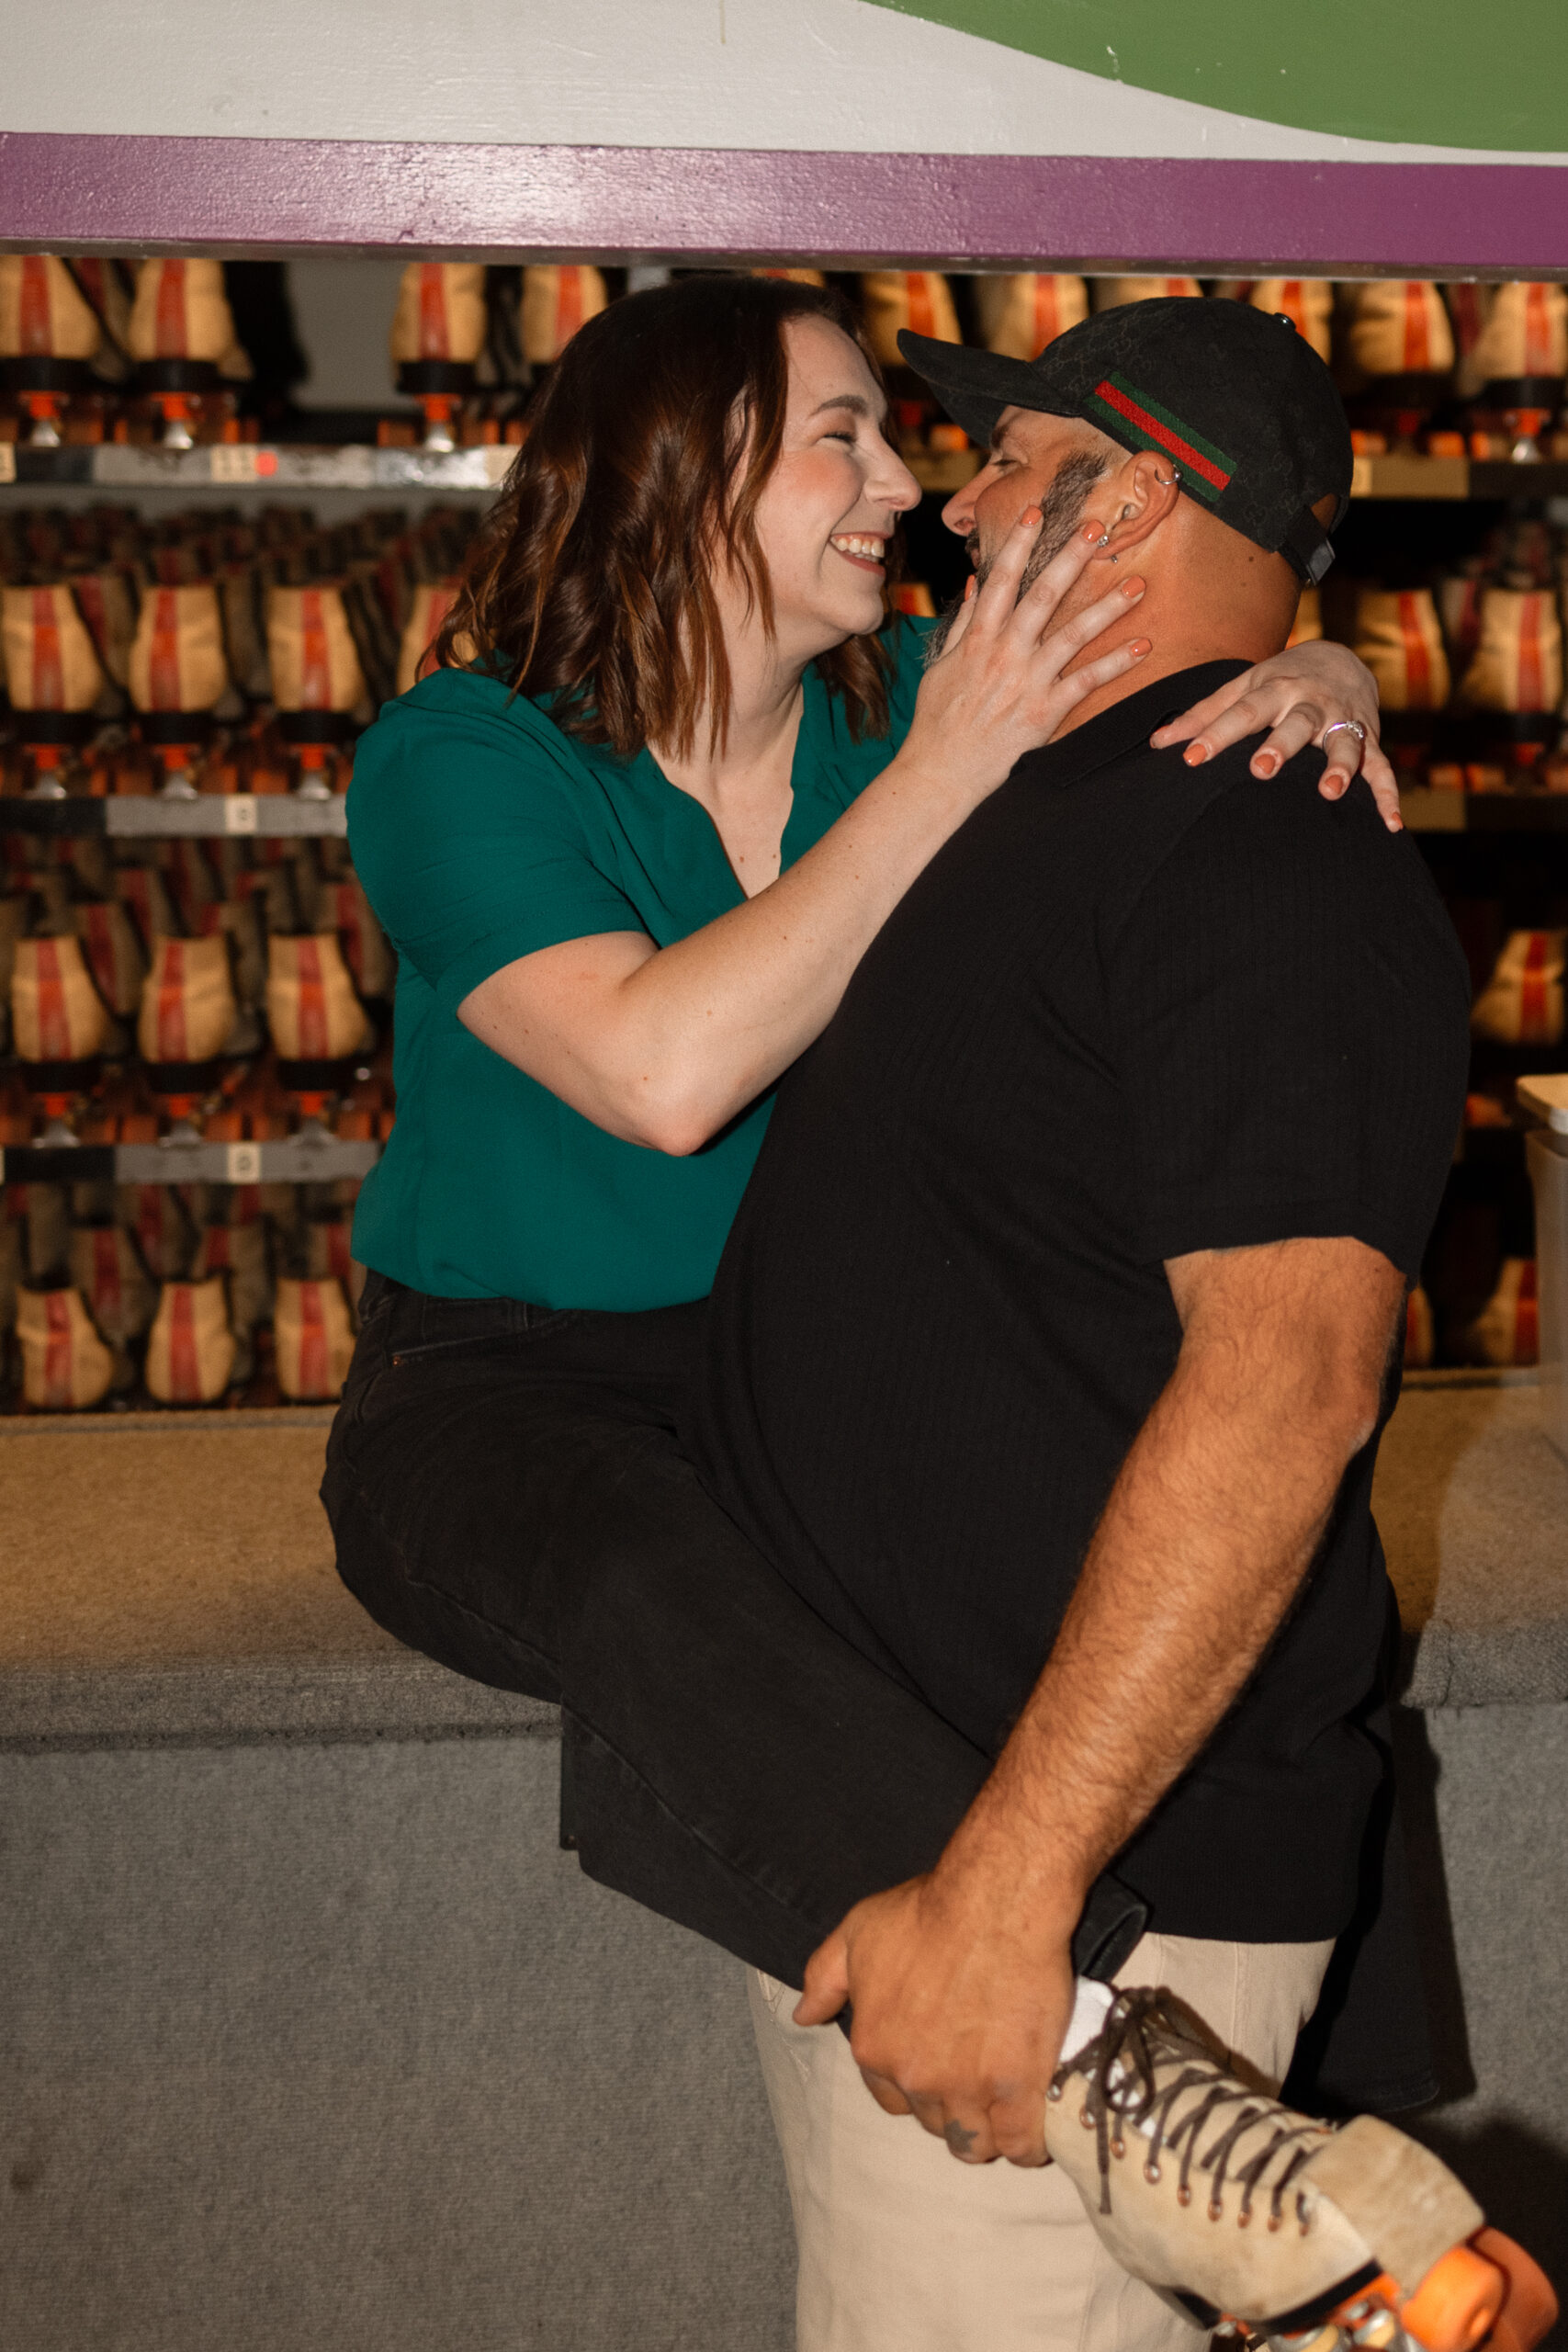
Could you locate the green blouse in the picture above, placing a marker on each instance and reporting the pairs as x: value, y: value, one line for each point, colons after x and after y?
x: 482, y: 832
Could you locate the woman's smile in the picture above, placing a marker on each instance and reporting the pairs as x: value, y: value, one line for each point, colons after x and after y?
x: 863, y: 548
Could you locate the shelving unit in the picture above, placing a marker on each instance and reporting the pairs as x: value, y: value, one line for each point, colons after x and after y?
x: 1485, y: 812
x: 211, y: 816
x: 1400, y: 476
x: 1414, y: 476
x: 310, y: 1157
x: 240, y: 466
x: 477, y: 473
x: 1410, y: 512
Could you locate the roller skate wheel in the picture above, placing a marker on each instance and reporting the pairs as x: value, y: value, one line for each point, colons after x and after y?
x: 1530, y: 2304
x: 1456, y: 2305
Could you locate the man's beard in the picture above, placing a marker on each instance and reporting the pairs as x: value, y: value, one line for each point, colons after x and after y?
x: 1061, y: 512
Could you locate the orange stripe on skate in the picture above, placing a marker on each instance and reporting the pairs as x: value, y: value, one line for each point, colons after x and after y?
x: 49, y: 669
x: 170, y: 330
x: 33, y: 321
x: 185, y: 1374
x: 172, y: 1034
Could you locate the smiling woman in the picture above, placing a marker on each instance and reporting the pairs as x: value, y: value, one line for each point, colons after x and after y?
x: 632, y: 523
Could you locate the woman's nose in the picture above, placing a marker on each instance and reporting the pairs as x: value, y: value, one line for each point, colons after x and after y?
x: 902, y: 491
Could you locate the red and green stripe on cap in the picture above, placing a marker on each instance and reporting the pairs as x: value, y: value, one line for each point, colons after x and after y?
x: 1129, y: 412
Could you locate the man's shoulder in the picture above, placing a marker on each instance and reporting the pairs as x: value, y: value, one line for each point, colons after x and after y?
x: 1221, y: 820
x: 1301, y: 842
x: 1279, y: 873
x: 1117, y: 826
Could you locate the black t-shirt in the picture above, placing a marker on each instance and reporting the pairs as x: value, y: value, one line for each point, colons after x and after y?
x: 1130, y: 1010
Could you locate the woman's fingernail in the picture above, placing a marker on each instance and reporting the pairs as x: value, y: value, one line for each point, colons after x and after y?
x: 1032, y: 518
x: 1395, y: 824
x: 1195, y: 754
x: 1089, y: 533
x: 1265, y: 764
x: 1142, y: 645
x: 970, y: 586
x: 1131, y: 588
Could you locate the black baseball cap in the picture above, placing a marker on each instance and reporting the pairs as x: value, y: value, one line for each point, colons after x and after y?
x: 1238, y: 402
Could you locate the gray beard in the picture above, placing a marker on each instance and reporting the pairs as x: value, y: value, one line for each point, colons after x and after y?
x: 1061, y: 512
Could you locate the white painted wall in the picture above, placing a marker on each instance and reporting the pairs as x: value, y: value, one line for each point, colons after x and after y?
x: 837, y: 74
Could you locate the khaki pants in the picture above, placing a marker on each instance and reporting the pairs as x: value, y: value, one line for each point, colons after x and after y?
x: 904, y: 2249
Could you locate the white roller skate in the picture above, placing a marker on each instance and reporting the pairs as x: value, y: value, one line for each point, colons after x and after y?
x: 1261, y: 2221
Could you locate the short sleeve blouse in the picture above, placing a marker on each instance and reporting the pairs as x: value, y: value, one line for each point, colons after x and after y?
x: 482, y: 832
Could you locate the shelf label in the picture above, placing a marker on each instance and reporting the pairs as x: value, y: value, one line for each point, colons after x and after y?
x: 7, y: 461
x: 237, y: 461
x: 243, y: 1163
x: 240, y: 813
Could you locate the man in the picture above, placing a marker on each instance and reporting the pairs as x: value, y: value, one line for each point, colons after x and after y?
x: 1054, y: 1338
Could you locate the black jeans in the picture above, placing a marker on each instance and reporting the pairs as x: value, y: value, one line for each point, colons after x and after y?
x: 509, y: 1496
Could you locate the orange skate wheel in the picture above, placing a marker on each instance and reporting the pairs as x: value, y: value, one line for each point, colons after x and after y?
x: 1457, y: 2303
x: 1530, y: 2307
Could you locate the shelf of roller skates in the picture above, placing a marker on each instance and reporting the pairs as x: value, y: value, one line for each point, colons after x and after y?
x: 132, y: 375
x: 1460, y: 618
x: 175, y: 1272
x: 187, y: 1012
x: 199, y: 1079
x: 179, y: 1234
x: 1453, y: 392
x: 206, y: 674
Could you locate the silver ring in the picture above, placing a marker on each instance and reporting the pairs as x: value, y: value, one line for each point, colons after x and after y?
x: 1354, y: 727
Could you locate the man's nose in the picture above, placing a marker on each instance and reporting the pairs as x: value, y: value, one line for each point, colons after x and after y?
x: 959, y: 512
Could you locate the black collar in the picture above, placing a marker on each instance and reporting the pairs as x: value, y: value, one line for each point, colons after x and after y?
x: 1127, y: 725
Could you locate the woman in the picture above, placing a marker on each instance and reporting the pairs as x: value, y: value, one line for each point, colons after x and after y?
x: 630, y: 839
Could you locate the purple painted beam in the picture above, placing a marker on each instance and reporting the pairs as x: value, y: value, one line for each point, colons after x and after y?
x: 64, y: 193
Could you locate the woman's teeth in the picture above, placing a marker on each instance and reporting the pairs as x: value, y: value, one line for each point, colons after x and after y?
x: 868, y: 551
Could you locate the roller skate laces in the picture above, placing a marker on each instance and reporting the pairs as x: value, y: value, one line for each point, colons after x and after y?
x: 1272, y: 2226
x: 1123, y: 2092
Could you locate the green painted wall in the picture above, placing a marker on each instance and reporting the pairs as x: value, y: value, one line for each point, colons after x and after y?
x: 1444, y: 73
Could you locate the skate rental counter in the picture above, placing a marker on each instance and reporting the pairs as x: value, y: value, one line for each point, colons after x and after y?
x: 314, y: 2035
x: 300, y: 1984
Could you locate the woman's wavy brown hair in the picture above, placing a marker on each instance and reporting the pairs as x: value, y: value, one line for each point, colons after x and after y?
x: 647, y: 453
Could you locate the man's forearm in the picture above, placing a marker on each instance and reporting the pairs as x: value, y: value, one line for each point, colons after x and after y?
x: 961, y: 1981
x: 1210, y: 1528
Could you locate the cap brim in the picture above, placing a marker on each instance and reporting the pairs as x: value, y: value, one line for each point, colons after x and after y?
x: 973, y: 386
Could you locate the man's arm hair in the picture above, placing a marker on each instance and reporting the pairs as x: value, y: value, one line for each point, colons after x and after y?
x: 959, y: 1982
x: 1208, y: 1531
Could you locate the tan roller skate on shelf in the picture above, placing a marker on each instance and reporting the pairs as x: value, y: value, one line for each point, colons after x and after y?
x: 1265, y: 2223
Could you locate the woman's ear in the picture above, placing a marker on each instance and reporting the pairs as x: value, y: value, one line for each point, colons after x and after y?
x: 1143, y: 494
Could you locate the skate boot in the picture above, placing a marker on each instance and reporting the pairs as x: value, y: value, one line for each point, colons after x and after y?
x: 1238, y: 2210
